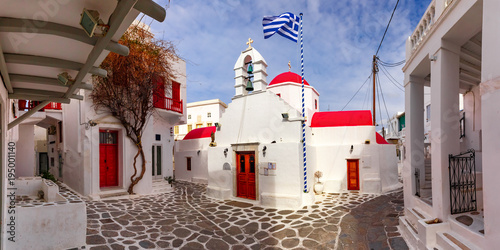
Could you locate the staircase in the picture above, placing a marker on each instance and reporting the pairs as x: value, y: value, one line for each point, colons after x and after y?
x: 426, y: 187
x: 161, y: 186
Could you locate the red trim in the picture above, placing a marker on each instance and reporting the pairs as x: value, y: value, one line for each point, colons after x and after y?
x: 200, y: 133
x: 25, y: 105
x: 342, y: 118
x: 288, y: 77
x: 380, y: 139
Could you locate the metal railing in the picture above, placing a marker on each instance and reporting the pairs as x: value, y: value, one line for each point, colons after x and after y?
x: 417, y: 182
x: 169, y: 104
x: 462, y: 170
x: 25, y: 105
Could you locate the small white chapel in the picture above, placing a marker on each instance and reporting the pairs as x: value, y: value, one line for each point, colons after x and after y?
x: 256, y: 153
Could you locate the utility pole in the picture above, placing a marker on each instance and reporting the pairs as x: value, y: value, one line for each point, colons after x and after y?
x: 374, y: 74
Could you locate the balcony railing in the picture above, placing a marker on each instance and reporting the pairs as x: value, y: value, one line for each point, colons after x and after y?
x: 25, y: 105
x: 423, y: 26
x: 169, y: 104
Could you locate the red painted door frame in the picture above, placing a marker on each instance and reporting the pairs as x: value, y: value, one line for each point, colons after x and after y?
x: 245, y: 177
x: 108, y: 161
x: 352, y: 174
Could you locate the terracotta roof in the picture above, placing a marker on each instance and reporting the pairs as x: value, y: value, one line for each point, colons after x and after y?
x: 342, y: 118
x: 199, y: 133
x: 288, y: 77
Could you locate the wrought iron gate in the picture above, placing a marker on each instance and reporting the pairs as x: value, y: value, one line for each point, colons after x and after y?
x: 462, y: 170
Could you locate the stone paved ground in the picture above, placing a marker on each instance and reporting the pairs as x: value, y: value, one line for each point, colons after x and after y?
x: 187, y: 219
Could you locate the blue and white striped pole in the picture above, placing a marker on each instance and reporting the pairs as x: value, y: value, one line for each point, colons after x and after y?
x: 303, y: 107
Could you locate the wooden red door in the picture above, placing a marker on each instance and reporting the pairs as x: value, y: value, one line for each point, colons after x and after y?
x: 245, y: 179
x: 108, y: 158
x: 352, y: 174
x: 159, y: 94
x: 176, y: 91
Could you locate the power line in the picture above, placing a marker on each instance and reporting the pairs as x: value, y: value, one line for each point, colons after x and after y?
x: 393, y: 83
x: 385, y: 32
x: 392, y: 64
x: 356, y: 92
x: 383, y: 99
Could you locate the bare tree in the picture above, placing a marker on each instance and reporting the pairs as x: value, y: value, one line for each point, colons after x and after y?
x: 127, y: 92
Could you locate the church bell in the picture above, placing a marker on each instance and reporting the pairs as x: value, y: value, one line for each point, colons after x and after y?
x: 249, y: 85
x: 250, y: 69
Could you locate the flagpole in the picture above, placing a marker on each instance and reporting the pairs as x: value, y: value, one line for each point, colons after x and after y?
x: 303, y: 107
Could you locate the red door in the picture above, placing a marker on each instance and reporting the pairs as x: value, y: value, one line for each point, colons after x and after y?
x: 176, y: 91
x: 352, y: 174
x: 108, y: 158
x: 159, y: 94
x: 246, y: 175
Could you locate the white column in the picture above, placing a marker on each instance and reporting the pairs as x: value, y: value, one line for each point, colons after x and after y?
x: 444, y: 123
x: 490, y: 100
x: 414, y: 106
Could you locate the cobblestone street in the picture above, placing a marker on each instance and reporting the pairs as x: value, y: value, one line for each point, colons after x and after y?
x: 186, y: 219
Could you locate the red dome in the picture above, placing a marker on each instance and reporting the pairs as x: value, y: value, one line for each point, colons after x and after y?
x: 200, y: 133
x: 288, y: 77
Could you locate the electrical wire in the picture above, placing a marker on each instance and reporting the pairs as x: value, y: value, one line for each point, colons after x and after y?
x: 386, y: 110
x: 393, y: 83
x: 392, y: 64
x: 385, y: 32
x: 356, y: 92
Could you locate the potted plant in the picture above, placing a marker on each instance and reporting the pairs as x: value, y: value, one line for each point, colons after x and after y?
x: 318, y: 185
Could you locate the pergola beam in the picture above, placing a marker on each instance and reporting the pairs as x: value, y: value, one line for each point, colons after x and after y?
x: 48, y: 94
x: 8, y: 24
x: 44, y: 80
x: 151, y: 9
x: 38, y: 98
x: 51, y: 62
x: 27, y: 114
x: 122, y: 9
x: 5, y: 72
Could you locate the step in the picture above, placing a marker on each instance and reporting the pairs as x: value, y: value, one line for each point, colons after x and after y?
x: 450, y: 240
x: 114, y: 193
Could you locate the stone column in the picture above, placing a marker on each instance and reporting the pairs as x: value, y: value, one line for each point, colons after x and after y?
x: 490, y: 117
x: 414, y: 106
x: 445, y: 127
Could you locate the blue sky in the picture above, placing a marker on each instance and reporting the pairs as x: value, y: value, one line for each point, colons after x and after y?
x: 340, y: 39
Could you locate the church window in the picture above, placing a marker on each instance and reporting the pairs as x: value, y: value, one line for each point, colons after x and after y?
x: 315, y: 104
x: 242, y: 164
x: 190, y: 127
x: 209, y: 114
x: 252, y: 164
x: 188, y: 163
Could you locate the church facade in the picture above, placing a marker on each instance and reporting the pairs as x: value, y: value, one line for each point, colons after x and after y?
x: 257, y: 157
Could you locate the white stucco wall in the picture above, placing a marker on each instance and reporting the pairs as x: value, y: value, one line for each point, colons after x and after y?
x: 25, y: 159
x: 329, y: 150
x: 246, y: 128
x: 291, y: 93
x: 199, y: 161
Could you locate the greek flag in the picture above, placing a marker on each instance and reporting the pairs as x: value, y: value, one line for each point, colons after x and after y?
x: 286, y: 24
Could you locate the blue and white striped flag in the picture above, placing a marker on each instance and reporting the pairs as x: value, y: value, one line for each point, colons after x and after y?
x: 286, y: 24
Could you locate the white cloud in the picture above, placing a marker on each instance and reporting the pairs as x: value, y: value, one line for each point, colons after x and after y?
x: 340, y: 38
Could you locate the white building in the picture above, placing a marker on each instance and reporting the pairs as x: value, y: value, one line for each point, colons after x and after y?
x: 38, y: 42
x: 191, y: 155
x: 453, y: 50
x: 351, y: 155
x: 258, y: 156
x: 200, y: 114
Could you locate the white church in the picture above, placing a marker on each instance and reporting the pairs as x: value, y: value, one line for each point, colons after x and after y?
x: 256, y: 155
